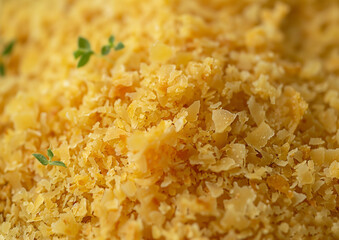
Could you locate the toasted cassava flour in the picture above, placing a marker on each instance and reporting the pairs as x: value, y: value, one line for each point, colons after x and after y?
x: 217, y: 120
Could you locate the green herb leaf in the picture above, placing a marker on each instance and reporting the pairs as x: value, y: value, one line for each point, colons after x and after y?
x: 41, y: 158
x: 78, y: 53
x: 111, y: 39
x: 105, y: 50
x: 84, y: 52
x: 119, y: 46
x: 84, y: 59
x: 2, y: 69
x: 50, y: 154
x: 58, y: 163
x: 84, y: 43
x: 8, y: 48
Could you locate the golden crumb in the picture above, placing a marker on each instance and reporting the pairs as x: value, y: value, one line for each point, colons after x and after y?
x: 219, y: 119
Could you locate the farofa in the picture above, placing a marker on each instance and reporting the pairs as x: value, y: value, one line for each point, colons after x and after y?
x: 218, y: 120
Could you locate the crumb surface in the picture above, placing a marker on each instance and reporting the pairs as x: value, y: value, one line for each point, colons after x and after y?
x: 218, y: 120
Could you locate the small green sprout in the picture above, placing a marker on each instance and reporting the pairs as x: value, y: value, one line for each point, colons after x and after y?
x: 44, y: 161
x: 107, y: 48
x: 85, y: 52
x: 7, y: 51
x: 8, y: 48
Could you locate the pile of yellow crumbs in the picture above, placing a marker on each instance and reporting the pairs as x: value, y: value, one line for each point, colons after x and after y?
x: 218, y: 120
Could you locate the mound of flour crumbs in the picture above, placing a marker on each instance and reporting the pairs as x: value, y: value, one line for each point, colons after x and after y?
x: 218, y: 120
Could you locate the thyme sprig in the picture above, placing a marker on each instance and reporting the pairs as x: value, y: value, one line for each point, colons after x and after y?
x: 7, y: 51
x: 84, y: 51
x: 44, y: 161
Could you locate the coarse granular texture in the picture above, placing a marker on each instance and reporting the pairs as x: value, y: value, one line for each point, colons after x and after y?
x: 218, y: 120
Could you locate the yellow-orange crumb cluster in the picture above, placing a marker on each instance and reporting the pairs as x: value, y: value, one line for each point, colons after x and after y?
x: 218, y: 120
